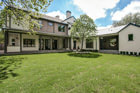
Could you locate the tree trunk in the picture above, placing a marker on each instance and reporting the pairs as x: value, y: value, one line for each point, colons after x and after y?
x: 82, y: 43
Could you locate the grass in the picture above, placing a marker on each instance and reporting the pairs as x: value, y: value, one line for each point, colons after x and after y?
x: 69, y: 73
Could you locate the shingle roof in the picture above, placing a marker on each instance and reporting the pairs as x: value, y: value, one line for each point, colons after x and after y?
x: 111, y: 30
x: 52, y: 18
x: 43, y: 16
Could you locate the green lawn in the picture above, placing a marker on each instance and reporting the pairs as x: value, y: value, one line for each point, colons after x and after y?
x: 69, y: 73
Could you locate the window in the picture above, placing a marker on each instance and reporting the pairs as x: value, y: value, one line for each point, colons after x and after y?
x: 89, y: 43
x: 13, y: 42
x: 130, y: 37
x: 29, y: 42
x: 61, y: 28
x: 50, y: 24
x: 40, y: 23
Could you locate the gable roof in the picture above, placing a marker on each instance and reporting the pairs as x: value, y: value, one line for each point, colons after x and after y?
x: 128, y: 25
x: 69, y: 18
x: 113, y: 30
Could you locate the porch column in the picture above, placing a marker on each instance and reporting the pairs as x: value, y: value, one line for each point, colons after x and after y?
x: 20, y: 42
x: 6, y: 41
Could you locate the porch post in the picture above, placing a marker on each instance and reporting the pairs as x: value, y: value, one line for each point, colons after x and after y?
x: 20, y: 42
x: 5, y: 41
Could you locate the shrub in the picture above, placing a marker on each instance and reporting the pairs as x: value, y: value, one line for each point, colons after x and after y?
x: 127, y: 52
x: 135, y: 53
x: 131, y: 53
x: 124, y: 52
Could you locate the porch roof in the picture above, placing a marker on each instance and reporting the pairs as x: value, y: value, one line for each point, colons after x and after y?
x: 111, y: 30
x: 36, y: 32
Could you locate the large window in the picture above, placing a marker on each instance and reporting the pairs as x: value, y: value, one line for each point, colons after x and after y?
x: 29, y: 42
x: 130, y: 37
x: 61, y: 28
x: 89, y: 43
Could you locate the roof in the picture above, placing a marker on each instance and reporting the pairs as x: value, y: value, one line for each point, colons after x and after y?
x: 111, y: 30
x: 37, y: 32
x: 114, y: 30
x: 43, y: 16
x: 69, y: 18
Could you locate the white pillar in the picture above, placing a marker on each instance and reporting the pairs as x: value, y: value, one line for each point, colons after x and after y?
x: 72, y: 43
x: 98, y: 42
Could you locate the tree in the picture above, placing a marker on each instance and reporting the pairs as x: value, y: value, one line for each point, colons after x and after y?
x: 130, y: 18
x: 1, y: 37
x: 83, y: 28
x: 23, y: 11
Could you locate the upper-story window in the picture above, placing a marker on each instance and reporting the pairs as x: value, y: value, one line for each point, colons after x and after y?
x: 50, y: 24
x: 61, y: 28
x: 130, y: 37
x: 40, y: 23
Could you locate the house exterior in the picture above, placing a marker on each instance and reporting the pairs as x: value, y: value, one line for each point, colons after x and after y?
x: 49, y: 37
x: 122, y: 39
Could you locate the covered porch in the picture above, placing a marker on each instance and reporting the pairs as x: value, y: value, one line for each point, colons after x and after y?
x: 17, y: 42
x: 54, y: 43
x: 109, y: 44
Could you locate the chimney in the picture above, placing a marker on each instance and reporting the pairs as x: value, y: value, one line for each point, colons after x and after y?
x: 68, y: 14
x: 57, y: 16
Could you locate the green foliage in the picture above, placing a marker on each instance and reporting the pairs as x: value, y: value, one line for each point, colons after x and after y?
x: 82, y: 28
x: 70, y: 73
x: 1, y: 36
x: 22, y: 11
x: 130, y: 18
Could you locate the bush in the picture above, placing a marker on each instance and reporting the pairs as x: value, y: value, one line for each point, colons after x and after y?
x: 120, y: 52
x: 86, y: 50
x: 135, y: 53
x: 131, y: 53
x: 127, y: 53
x: 124, y: 52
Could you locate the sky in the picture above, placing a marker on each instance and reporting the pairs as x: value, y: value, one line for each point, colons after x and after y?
x: 103, y: 12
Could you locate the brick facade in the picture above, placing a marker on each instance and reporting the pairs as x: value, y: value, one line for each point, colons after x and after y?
x: 53, y: 28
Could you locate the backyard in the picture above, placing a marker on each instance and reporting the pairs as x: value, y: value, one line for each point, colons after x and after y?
x: 69, y: 73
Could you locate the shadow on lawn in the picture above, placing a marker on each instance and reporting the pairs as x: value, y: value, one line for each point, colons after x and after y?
x: 89, y: 55
x: 7, y: 66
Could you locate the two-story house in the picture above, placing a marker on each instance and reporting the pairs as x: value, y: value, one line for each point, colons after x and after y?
x: 53, y: 35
